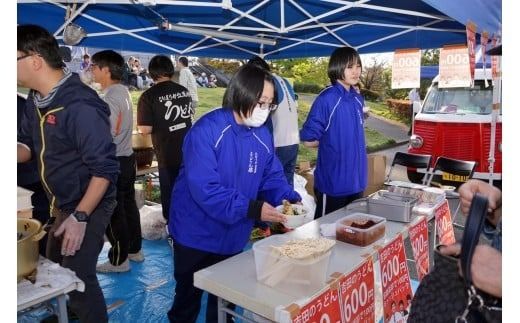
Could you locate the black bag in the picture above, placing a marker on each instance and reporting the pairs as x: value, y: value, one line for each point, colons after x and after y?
x: 444, y: 296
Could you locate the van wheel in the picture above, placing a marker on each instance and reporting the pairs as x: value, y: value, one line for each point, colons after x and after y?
x: 415, y: 177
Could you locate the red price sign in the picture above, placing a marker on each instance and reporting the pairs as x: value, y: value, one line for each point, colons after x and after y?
x: 395, y: 279
x: 419, y: 239
x: 324, y: 308
x: 454, y: 70
x: 406, y: 69
x: 357, y: 294
x: 444, y: 226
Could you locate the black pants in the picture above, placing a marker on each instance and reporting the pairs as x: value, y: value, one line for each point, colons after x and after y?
x: 167, y: 176
x: 186, y: 304
x: 332, y: 203
x: 124, y: 230
x: 89, y: 305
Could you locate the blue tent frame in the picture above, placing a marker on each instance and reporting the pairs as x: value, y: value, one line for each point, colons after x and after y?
x: 301, y: 28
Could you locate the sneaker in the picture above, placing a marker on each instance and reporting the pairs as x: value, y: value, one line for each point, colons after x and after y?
x: 107, y: 267
x: 137, y: 257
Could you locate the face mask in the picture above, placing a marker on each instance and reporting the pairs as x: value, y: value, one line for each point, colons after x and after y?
x: 257, y: 118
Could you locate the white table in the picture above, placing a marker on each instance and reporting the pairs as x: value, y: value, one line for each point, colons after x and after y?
x: 52, y: 281
x: 234, y: 279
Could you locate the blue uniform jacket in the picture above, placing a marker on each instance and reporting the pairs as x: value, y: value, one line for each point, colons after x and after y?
x: 71, y: 142
x: 336, y: 121
x: 225, y: 167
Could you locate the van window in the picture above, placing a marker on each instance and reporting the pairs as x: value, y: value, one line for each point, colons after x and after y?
x: 475, y: 100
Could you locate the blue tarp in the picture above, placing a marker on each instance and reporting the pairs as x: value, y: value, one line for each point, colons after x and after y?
x: 302, y: 28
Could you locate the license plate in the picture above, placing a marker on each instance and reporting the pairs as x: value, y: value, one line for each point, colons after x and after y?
x: 454, y: 178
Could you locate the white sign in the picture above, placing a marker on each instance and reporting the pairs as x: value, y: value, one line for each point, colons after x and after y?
x: 454, y: 67
x: 406, y: 69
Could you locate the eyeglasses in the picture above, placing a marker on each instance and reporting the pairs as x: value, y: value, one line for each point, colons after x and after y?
x: 269, y: 106
x: 24, y: 56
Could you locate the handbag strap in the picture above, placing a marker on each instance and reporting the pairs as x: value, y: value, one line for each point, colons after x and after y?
x: 473, y: 228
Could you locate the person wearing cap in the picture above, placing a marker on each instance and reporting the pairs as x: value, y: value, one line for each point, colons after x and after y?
x: 66, y: 127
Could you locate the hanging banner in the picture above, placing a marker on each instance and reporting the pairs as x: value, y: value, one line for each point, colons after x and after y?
x: 494, y: 61
x: 357, y: 296
x: 454, y: 67
x: 484, y: 37
x: 406, y: 69
x: 395, y: 280
x: 419, y: 239
x: 323, y: 308
x: 444, y: 225
x: 471, y: 29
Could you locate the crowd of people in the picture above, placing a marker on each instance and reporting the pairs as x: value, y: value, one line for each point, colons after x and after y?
x: 219, y: 177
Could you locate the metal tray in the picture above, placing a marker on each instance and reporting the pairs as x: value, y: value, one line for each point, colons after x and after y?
x: 392, y: 206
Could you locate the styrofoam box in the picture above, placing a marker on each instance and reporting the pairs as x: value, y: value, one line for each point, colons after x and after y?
x: 24, y: 199
x: 292, y: 276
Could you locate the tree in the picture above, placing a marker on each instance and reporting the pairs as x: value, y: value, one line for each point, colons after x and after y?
x: 372, y: 76
x: 430, y: 57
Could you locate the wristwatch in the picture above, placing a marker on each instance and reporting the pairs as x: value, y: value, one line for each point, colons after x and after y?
x: 80, y: 216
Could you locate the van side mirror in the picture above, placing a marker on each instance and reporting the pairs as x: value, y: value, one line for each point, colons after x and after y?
x: 416, y: 106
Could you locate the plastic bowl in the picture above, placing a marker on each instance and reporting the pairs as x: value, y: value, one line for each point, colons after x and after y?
x: 294, y: 221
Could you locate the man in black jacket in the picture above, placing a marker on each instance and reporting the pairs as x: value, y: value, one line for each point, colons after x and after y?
x: 66, y: 128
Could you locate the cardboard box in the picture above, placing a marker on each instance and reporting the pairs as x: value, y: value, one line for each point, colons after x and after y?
x: 376, y: 169
x: 372, y: 189
x: 309, y: 176
x: 26, y: 213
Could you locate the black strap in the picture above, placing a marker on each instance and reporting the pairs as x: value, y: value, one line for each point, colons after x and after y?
x: 473, y: 228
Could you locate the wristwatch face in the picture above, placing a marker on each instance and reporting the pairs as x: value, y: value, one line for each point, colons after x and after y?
x: 80, y: 216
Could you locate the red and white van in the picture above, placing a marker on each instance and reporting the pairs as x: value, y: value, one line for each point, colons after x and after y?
x: 457, y: 123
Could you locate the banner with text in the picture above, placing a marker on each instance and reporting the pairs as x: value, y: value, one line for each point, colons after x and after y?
x: 471, y: 29
x: 444, y: 225
x: 395, y: 280
x: 406, y: 69
x: 420, y: 246
x: 454, y: 70
x: 323, y: 308
x: 357, y: 294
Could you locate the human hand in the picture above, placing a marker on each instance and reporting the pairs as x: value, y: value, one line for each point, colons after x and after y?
x: 486, y: 267
x: 73, y: 234
x: 270, y: 214
x: 468, y: 190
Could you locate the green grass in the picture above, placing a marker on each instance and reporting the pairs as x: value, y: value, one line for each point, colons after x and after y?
x: 211, y: 98
x: 381, y: 109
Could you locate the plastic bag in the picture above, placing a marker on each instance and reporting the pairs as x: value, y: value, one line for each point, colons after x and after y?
x: 153, y: 224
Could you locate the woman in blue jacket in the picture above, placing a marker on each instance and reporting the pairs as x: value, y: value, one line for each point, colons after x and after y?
x: 230, y: 177
x: 335, y: 126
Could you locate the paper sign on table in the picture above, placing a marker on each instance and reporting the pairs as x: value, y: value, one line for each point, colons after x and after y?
x: 420, y: 246
x: 454, y: 68
x: 395, y: 280
x: 406, y: 69
x: 357, y: 294
x: 444, y: 226
x: 323, y: 308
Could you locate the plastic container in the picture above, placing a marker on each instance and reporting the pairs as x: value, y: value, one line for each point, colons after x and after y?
x: 345, y: 232
x: 299, y: 277
x: 24, y: 199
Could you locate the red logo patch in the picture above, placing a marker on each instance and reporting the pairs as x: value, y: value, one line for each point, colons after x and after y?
x: 51, y: 119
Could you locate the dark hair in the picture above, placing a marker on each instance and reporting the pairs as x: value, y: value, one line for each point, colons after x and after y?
x: 159, y: 66
x: 340, y: 59
x: 33, y: 39
x: 114, y: 61
x: 245, y: 88
x: 258, y: 61
x: 86, y: 56
x: 184, y: 61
